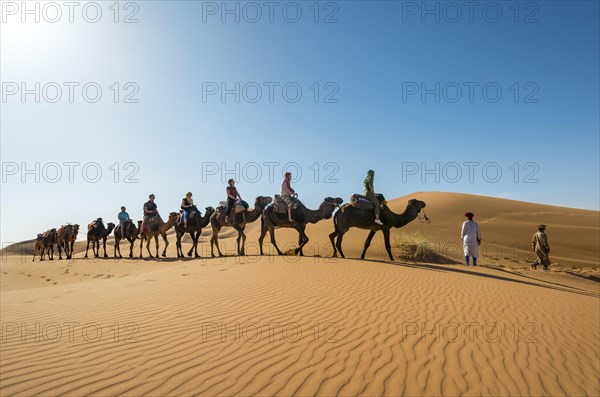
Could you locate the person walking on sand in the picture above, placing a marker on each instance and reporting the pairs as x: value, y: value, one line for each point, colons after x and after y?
x: 370, y: 194
x: 471, y: 237
x: 541, y: 247
x: 123, y: 218
x: 233, y: 198
x: 287, y: 194
x: 150, y: 209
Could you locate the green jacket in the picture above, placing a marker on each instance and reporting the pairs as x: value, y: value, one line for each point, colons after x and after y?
x: 368, y: 182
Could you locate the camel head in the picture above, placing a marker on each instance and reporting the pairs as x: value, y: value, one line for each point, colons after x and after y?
x: 110, y: 227
x: 75, y: 230
x: 209, y: 211
x: 173, y: 216
x: 262, y: 201
x: 39, y: 236
x: 415, y: 205
x: 330, y: 203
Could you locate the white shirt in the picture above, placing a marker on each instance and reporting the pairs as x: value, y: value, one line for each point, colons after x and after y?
x: 470, y: 231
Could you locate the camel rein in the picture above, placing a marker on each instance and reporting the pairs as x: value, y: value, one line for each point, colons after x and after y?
x: 424, y: 219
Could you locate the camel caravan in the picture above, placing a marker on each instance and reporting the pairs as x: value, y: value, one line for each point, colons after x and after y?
x: 285, y: 210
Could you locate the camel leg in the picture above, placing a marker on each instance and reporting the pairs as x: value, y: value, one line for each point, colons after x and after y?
x: 215, y: 240
x: 338, y: 244
x: 97, y: 252
x: 88, y: 246
x: 104, y: 245
x: 71, y: 249
x: 59, y: 251
x: 388, y: 246
x: 195, y: 240
x: 332, y: 237
x: 148, y: 246
x: 156, y: 244
x: 118, y: 245
x: 272, y: 234
x: 242, y: 235
x: 239, y: 237
x: 263, y: 232
x: 51, y: 252
x: 367, y: 243
x: 131, y: 241
x: 164, y: 253
x: 178, y: 245
x: 302, y: 240
x: 193, y: 236
x: 141, y: 245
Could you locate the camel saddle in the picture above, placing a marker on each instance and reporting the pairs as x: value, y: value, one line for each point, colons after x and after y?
x: 240, y: 207
x: 280, y: 206
x: 47, y: 233
x: 362, y: 202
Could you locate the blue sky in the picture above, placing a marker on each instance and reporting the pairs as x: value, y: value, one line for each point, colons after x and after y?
x: 543, y: 56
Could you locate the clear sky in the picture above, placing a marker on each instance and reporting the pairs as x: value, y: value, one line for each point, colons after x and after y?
x: 492, y: 98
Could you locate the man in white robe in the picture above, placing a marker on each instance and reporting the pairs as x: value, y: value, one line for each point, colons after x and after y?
x: 471, y: 237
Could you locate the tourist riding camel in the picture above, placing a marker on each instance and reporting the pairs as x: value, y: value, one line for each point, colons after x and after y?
x: 272, y: 217
x: 242, y: 218
x: 288, y: 194
x: 350, y: 216
x: 123, y: 217
x: 371, y: 195
x: 187, y: 203
x: 233, y: 199
x: 131, y: 232
x: 196, y: 223
x: 150, y: 210
x: 155, y: 227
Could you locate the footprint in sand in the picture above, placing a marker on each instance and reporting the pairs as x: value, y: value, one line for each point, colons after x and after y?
x: 98, y: 275
x: 109, y: 276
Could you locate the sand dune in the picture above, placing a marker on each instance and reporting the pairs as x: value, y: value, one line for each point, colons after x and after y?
x: 315, y: 325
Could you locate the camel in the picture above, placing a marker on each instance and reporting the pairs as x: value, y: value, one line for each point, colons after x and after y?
x: 39, y: 246
x: 301, y: 215
x: 217, y: 221
x: 48, y: 241
x: 195, y: 224
x: 96, y: 232
x: 65, y: 239
x: 131, y: 234
x: 349, y: 216
x: 153, y: 228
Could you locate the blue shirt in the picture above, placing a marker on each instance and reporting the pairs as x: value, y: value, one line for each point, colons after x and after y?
x: 123, y: 216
